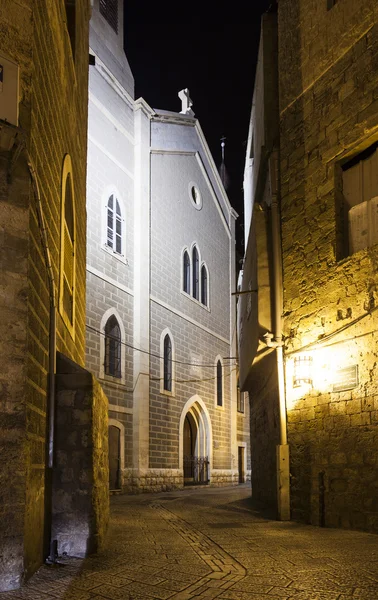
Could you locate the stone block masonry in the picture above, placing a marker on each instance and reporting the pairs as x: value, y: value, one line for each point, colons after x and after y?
x: 328, y: 67
x: 81, y: 477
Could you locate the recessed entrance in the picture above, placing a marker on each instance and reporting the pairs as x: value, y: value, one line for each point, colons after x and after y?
x: 195, y: 443
x: 241, y: 451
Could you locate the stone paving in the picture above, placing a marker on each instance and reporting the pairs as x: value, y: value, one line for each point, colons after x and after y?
x: 210, y: 543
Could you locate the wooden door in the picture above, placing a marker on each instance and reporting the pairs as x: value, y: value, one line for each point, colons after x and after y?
x: 241, y: 463
x: 114, y: 457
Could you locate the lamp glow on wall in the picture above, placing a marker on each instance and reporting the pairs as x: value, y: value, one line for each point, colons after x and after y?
x: 303, y: 367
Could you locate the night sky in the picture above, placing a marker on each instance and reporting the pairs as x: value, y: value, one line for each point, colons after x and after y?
x: 216, y: 61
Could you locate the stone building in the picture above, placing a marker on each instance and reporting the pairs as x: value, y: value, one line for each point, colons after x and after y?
x: 327, y: 192
x: 160, y: 272
x: 43, y: 133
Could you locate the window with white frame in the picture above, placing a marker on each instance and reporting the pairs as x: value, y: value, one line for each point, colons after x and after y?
x: 166, y: 363
x: 195, y: 273
x: 113, y: 353
x: 219, y: 383
x: 360, y: 193
x: 186, y: 272
x: 195, y: 277
x: 114, y: 226
x: 68, y: 250
x: 204, y: 281
x: 109, y: 10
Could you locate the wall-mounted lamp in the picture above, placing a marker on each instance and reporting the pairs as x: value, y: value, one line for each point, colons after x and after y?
x: 302, y: 370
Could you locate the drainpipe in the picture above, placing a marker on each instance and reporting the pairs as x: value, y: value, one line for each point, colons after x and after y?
x: 19, y: 134
x: 50, y: 547
x: 275, y: 341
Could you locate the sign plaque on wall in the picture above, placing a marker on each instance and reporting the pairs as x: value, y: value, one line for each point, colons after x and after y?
x: 345, y: 379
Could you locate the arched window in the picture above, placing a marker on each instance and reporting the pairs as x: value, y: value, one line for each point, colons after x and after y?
x: 114, y: 225
x: 67, y: 268
x: 204, y: 285
x: 167, y: 364
x: 195, y: 261
x: 112, y: 361
x: 219, y: 384
x: 186, y: 273
x: 109, y: 10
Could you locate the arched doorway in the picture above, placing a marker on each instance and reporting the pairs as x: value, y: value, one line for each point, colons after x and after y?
x: 195, y: 453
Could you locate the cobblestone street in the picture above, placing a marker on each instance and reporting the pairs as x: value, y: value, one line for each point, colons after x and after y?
x: 208, y: 544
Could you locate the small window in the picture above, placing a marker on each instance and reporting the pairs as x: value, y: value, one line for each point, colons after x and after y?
x: 360, y: 198
x: 195, y: 262
x: 112, y: 348
x: 186, y: 273
x: 240, y: 401
x: 114, y: 226
x: 67, y: 267
x: 204, y: 285
x: 167, y: 364
x: 71, y: 22
x: 195, y: 195
x: 109, y: 10
x: 219, y: 384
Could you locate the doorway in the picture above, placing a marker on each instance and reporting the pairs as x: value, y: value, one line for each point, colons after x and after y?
x: 241, y: 451
x: 114, y: 458
x: 195, y: 443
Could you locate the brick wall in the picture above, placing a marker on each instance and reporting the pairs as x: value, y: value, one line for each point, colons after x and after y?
x: 328, y: 104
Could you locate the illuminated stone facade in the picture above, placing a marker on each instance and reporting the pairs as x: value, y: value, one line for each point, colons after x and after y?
x: 154, y: 192
x: 42, y: 203
x: 328, y: 113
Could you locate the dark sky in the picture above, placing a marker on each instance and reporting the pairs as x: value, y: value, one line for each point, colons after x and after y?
x: 215, y: 60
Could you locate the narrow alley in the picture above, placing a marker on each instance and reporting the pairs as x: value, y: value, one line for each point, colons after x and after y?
x: 210, y: 543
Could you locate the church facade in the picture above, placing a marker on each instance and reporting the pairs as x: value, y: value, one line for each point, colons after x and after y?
x: 161, y: 325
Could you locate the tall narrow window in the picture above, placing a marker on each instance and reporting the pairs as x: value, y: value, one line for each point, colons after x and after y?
x: 114, y: 225
x: 186, y: 273
x: 67, y: 267
x: 167, y: 364
x: 195, y: 261
x: 112, y: 348
x: 109, y: 10
x: 219, y: 384
x: 204, y: 285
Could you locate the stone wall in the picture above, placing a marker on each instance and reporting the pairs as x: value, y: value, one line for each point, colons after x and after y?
x: 53, y: 108
x: 328, y: 66
x: 80, y: 512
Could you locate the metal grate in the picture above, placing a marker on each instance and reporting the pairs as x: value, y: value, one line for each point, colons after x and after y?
x: 109, y: 10
x: 196, y: 470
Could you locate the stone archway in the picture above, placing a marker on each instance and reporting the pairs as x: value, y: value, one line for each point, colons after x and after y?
x: 195, y: 446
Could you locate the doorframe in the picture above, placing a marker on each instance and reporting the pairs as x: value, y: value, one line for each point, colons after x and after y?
x: 121, y: 427
x: 204, y: 445
x: 245, y: 446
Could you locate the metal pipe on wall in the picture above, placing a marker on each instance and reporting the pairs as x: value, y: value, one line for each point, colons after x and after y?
x: 282, y: 450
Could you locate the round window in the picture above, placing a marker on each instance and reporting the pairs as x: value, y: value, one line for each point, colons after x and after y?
x: 195, y: 196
